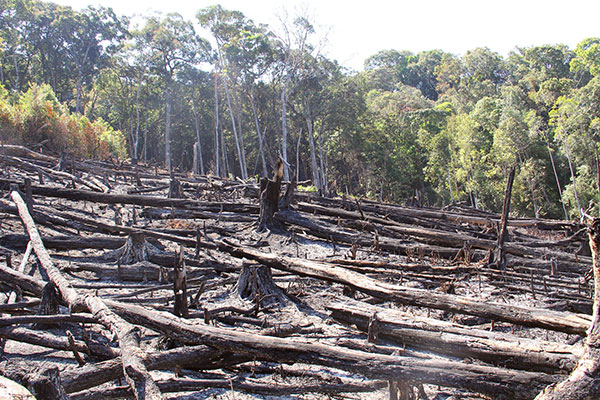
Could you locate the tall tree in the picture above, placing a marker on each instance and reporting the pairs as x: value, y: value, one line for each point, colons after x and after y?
x: 173, y: 45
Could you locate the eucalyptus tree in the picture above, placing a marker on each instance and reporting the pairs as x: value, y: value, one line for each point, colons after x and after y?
x: 250, y: 57
x: 293, y: 44
x: 227, y: 27
x: 173, y: 45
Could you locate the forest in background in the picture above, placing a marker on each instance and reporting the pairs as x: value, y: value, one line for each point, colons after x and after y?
x: 433, y: 127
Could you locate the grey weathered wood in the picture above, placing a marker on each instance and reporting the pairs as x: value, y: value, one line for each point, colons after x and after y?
x: 451, y: 339
x: 135, y: 372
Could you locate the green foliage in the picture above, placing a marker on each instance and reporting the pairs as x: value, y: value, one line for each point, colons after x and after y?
x: 439, y: 126
x: 36, y: 117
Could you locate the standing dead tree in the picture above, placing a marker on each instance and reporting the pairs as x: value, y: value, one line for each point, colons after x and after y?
x: 269, y: 198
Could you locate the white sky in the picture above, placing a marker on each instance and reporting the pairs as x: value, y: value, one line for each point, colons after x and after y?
x: 357, y: 29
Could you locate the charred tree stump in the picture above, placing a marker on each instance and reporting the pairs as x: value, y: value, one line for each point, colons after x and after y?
x: 285, y: 201
x: 136, y: 249
x: 269, y: 198
x: 49, y: 304
x: 256, y: 284
x: 180, y: 286
x: 498, y: 259
x: 175, y: 191
x: 43, y: 381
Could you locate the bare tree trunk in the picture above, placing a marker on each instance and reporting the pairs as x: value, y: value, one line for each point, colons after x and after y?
x: 241, y: 136
x: 298, y: 157
x: 260, y: 137
x: 323, y: 166
x: 313, y: 155
x: 137, y: 124
x: 244, y: 174
x: 217, y: 141
x: 16, y: 86
x: 568, y: 152
x: 562, y: 201
x: 225, y: 167
x: 284, y: 133
x: 168, y: 129
x: 198, y: 161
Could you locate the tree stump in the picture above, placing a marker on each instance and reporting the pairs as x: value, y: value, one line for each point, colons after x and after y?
x: 136, y: 249
x: 180, y: 287
x: 256, y: 284
x: 269, y: 198
x: 49, y: 304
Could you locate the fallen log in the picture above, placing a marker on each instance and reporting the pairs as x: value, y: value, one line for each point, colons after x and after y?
x: 584, y: 381
x: 135, y: 373
x: 442, y: 243
x: 237, y: 385
x: 477, y: 378
x: 91, y: 375
x: 150, y: 201
x: 47, y: 339
x: 450, y: 339
x: 547, y: 319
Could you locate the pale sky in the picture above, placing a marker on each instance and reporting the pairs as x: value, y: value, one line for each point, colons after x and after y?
x: 357, y: 29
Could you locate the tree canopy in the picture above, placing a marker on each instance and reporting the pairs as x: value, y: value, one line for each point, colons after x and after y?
x: 431, y: 127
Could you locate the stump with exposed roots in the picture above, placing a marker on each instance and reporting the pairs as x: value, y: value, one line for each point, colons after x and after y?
x: 136, y: 249
x: 256, y: 284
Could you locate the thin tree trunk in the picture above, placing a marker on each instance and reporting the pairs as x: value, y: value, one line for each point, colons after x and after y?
x: 217, y: 141
x: 17, y: 78
x: 168, y: 129
x: 243, y: 173
x: 568, y: 152
x: 313, y: 155
x: 226, y: 169
x: 241, y: 136
x: 78, y: 93
x: 198, y: 161
x: 260, y: 137
x: 137, y: 124
x: 284, y: 133
x: 562, y: 200
x: 298, y: 157
x: 323, y: 166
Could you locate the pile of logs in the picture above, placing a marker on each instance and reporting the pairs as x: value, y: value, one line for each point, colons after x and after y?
x: 125, y: 281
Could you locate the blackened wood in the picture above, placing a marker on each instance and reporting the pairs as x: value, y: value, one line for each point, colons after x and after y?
x: 584, y: 381
x: 450, y: 339
x: 269, y: 198
x: 547, y: 319
x: 499, y: 260
x: 91, y: 375
x: 478, y: 378
x: 50, y: 340
x: 180, y: 306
